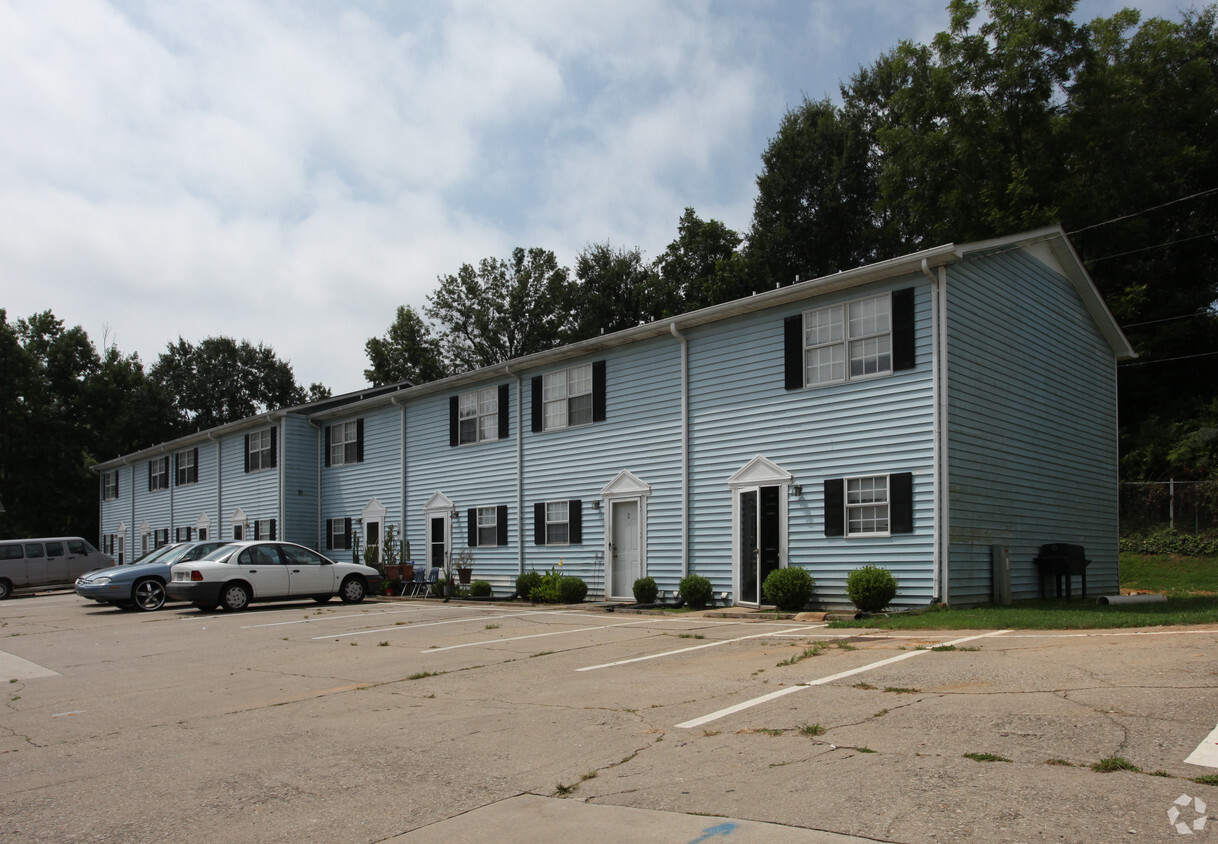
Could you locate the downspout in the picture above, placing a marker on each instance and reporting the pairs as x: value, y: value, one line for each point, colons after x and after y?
x: 171, y: 470
x: 321, y: 459
x: 672, y: 327
x: 942, y: 536
x: 219, y: 486
x: 282, y: 446
x: 402, y: 486
x: 507, y: 368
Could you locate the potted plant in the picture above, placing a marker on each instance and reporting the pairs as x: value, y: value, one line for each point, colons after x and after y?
x: 407, y: 561
x: 392, y: 558
x: 465, y: 565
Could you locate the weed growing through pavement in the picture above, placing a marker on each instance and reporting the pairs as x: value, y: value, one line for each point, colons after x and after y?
x: 800, y: 657
x: 843, y: 645
x: 1061, y: 762
x: 422, y: 674
x: 880, y: 714
x: 1207, y: 779
x: 710, y: 732
x: 383, y: 644
x: 492, y: 627
x: 902, y: 690
x: 867, y: 686
x: 952, y: 648
x: 986, y: 757
x: 591, y: 775
x: 811, y: 730
x: 1114, y: 763
x: 690, y: 636
x: 864, y: 750
x: 561, y: 790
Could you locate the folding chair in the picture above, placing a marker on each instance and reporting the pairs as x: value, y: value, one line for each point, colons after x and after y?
x: 418, y: 581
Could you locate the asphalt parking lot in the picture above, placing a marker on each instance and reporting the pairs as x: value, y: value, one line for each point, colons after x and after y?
x: 427, y: 721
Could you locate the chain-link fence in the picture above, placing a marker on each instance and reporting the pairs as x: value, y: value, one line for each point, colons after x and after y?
x: 1183, y: 506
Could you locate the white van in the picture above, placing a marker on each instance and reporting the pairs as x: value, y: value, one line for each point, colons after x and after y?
x: 31, y: 564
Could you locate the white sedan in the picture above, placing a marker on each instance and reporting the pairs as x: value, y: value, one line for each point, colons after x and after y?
x: 241, y: 572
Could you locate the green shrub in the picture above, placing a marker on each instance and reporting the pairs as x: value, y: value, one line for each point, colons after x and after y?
x: 527, y: 582
x: 1167, y: 541
x: 480, y: 589
x: 695, y: 590
x: 871, y: 588
x: 572, y: 590
x: 645, y: 590
x: 788, y: 588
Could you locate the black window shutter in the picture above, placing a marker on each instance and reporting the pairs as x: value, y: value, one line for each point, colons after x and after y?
x: 194, y: 470
x: 117, y: 475
x: 900, y: 503
x: 575, y: 515
x: 329, y: 534
x: 504, y: 415
x: 536, y: 406
x: 598, y: 391
x: 793, y: 352
x: 501, y: 533
x: 177, y: 459
x: 903, y: 353
x: 326, y: 447
x: 471, y: 527
x: 272, y: 529
x: 539, y: 523
x: 274, y: 446
x: 347, y: 529
x: 359, y: 440
x: 835, y: 507
x: 150, y: 476
x: 247, y: 454
x: 454, y: 405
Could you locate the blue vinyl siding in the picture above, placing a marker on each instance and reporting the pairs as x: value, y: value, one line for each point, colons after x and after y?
x: 346, y: 490
x: 1032, y: 404
x: 255, y: 493
x: 194, y: 499
x: 300, y: 451
x: 641, y: 434
x: 479, y: 474
x: 879, y: 425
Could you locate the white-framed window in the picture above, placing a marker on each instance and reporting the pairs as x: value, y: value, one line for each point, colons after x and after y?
x: 145, y: 544
x: 260, y: 456
x: 161, y: 537
x: 488, y: 527
x: 108, y: 544
x: 478, y: 416
x: 110, y: 485
x: 264, y: 529
x: 158, y: 473
x: 344, y: 443
x: 340, y: 539
x: 848, y: 341
x: 558, y: 523
x: 867, y: 506
x: 187, y: 463
x: 567, y: 397
x: 183, y: 534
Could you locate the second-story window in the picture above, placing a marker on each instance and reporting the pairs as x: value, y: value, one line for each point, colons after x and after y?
x: 187, y: 466
x: 158, y: 473
x: 479, y: 416
x: 344, y: 443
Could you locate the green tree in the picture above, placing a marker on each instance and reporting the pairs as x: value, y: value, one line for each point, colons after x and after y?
x: 612, y: 284
x: 220, y: 381
x: 702, y: 267
x: 408, y: 352
x: 503, y: 309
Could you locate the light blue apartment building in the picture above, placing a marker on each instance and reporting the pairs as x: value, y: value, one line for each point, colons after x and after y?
x: 942, y: 414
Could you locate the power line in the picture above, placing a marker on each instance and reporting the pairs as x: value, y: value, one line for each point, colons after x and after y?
x: 1148, y: 248
x: 1145, y: 211
x: 1168, y: 360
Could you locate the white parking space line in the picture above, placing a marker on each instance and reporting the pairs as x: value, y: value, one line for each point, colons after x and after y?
x: 1206, y: 753
x: 16, y: 668
x: 430, y: 624
x: 695, y: 648
x: 530, y: 636
x: 757, y: 701
x: 314, y: 619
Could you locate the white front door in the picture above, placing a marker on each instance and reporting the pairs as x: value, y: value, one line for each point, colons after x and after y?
x: 625, y: 559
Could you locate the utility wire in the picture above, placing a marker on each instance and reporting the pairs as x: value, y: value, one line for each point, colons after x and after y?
x: 1145, y: 211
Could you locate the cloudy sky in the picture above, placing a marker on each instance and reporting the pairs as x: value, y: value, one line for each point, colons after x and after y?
x: 290, y: 171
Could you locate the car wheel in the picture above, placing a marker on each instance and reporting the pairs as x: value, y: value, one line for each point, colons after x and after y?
x: 352, y: 590
x: 6, y: 589
x: 149, y: 594
x: 203, y: 606
x: 234, y: 598
x: 322, y: 599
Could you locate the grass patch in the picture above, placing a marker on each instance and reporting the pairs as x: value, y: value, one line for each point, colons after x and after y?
x: 902, y: 690
x: 942, y: 648
x: 811, y: 730
x: 986, y: 757
x: 1114, y: 763
x: 1171, y: 573
x: 1064, y: 763
x: 561, y: 790
x: 806, y: 654
x: 864, y: 750
x: 866, y: 686
x: 843, y: 645
x: 491, y: 627
x: 424, y: 674
x: 690, y: 636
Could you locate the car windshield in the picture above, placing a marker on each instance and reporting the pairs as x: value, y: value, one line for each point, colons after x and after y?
x: 156, y: 555
x: 221, y: 553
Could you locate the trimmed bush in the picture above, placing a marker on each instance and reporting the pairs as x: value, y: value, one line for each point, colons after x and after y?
x: 645, y: 590
x: 871, y: 588
x: 789, y: 588
x: 480, y: 589
x: 572, y: 590
x: 526, y: 583
x: 695, y: 590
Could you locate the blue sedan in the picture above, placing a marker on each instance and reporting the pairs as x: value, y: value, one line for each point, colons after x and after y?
x: 141, y: 585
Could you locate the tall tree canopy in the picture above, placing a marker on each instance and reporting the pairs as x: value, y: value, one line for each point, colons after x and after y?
x: 503, y: 309
x: 612, y: 284
x: 1016, y: 118
x: 220, y: 380
x: 408, y: 352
